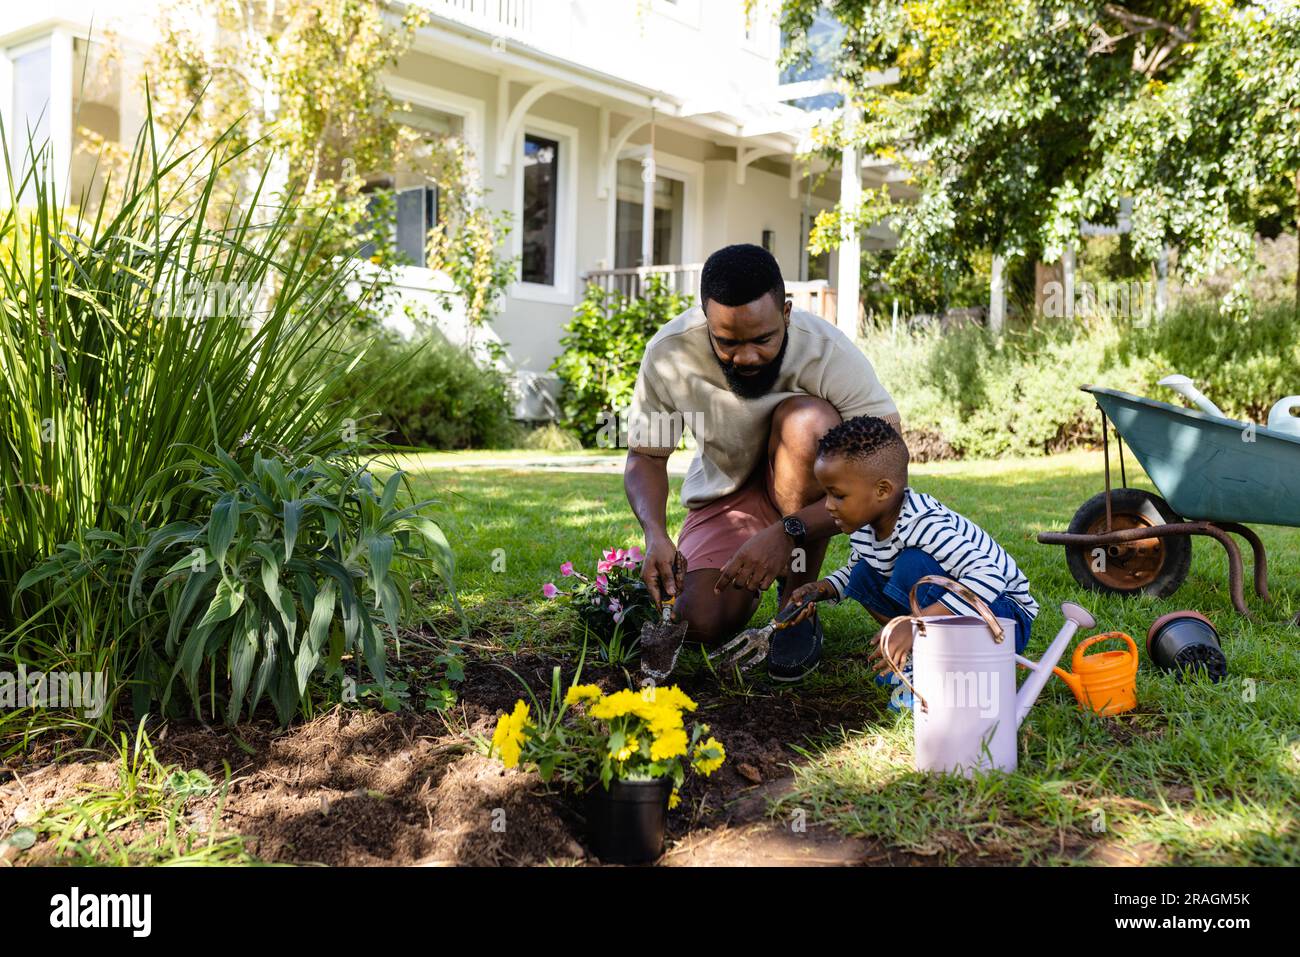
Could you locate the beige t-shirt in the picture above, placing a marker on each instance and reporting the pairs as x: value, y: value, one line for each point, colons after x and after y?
x: 680, y: 385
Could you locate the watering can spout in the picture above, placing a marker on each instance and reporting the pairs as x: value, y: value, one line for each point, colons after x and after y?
x: 1184, y: 387
x: 1076, y: 617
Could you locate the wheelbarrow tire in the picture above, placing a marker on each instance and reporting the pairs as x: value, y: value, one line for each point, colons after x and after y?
x: 1160, y: 571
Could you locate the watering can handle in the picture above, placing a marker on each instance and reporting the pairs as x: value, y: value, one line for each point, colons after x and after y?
x: 897, y: 666
x: 966, y: 595
x: 915, y: 618
x: 1089, y: 642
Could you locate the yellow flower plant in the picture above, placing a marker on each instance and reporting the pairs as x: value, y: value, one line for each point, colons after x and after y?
x: 629, y: 734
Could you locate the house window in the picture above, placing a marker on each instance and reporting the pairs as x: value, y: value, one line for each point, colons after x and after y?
x: 825, y: 38
x: 407, y: 213
x: 669, y: 217
x: 540, y: 209
x: 96, y: 113
x: 403, y: 205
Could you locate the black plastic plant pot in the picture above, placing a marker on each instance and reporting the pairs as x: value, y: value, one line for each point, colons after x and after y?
x: 625, y: 824
x: 1184, y: 642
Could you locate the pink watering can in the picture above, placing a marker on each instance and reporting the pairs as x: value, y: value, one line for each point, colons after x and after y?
x: 967, y: 707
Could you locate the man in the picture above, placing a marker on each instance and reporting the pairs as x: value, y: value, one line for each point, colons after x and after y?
x: 759, y: 384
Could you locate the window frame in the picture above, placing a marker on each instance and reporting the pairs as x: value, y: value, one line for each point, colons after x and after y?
x: 566, y: 201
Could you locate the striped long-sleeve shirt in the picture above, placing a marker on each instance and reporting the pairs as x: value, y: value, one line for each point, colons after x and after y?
x: 965, y: 551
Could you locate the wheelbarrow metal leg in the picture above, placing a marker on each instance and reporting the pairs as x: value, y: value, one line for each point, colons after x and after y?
x: 1235, y: 574
x: 1257, y: 549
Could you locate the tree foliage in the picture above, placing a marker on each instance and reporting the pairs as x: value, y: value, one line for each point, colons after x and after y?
x: 1017, y: 120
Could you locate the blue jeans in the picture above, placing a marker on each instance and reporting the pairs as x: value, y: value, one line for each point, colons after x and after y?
x: 889, y: 596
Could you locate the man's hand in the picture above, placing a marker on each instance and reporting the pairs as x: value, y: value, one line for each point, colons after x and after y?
x: 663, y: 570
x: 759, y: 562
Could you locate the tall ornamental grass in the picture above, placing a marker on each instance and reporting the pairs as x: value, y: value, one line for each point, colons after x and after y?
x: 130, y: 336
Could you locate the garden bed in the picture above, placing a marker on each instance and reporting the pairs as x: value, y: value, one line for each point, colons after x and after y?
x: 361, y: 787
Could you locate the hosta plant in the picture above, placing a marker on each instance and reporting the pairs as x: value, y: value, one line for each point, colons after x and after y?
x: 290, y: 566
x: 585, y: 737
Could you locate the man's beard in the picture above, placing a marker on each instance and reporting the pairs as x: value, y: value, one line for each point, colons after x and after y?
x: 754, y: 384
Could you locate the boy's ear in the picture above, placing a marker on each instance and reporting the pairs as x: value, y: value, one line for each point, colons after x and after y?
x: 884, y: 489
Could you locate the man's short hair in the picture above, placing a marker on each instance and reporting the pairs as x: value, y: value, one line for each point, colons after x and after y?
x: 865, y: 437
x: 739, y: 274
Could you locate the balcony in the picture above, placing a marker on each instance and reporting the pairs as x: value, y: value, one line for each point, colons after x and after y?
x: 542, y: 26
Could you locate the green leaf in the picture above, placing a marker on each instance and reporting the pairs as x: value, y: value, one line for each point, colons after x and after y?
x: 381, y: 557
x: 222, y: 525
x: 440, y: 548
x: 23, y: 838
x: 391, y: 488
x: 227, y: 600
x: 322, y: 615
x: 195, y: 585
x: 265, y: 670
x: 292, y: 516
x: 41, y: 572
x: 242, y: 654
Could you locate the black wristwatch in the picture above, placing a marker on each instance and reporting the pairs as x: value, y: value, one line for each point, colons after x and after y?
x: 795, y: 528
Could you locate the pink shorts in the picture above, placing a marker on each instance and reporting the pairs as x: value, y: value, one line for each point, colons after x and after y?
x: 713, y: 533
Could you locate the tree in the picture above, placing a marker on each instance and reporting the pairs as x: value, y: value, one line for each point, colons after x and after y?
x: 1019, y: 119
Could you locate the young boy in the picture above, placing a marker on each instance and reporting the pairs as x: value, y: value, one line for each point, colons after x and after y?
x: 898, y: 536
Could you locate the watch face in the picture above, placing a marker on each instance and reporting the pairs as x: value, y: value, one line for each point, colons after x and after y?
x: 794, y: 526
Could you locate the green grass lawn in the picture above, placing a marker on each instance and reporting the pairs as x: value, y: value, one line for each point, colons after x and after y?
x: 1199, y: 773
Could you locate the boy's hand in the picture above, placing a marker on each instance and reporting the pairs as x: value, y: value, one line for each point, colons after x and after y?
x: 900, y: 645
x: 807, y: 595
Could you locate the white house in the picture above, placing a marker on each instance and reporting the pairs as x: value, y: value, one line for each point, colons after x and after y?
x: 620, y: 135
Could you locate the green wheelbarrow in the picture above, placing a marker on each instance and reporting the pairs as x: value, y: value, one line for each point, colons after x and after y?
x: 1214, y: 475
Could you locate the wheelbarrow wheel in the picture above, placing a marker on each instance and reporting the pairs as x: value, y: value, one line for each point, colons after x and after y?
x: 1151, y: 566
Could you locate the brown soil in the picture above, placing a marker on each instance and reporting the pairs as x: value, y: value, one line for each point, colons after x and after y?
x: 360, y: 787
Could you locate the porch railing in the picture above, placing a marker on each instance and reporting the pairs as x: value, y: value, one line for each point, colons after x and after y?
x: 682, y: 279
x: 816, y: 296
x: 512, y: 18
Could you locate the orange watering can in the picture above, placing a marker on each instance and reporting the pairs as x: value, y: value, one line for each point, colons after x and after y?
x: 1107, y: 682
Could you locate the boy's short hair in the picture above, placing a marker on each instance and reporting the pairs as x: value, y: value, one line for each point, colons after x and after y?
x: 865, y: 437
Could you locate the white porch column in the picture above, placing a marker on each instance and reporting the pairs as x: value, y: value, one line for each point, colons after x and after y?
x: 1162, y: 281
x: 1067, y: 276
x: 648, y: 209
x: 849, y: 255
x: 997, y: 295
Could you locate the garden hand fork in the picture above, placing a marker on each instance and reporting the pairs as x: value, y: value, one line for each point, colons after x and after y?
x: 749, y: 648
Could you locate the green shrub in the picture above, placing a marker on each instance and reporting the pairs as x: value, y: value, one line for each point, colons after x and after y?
x: 434, y: 394
x: 1021, y: 396
x: 287, y: 566
x: 603, y: 345
x: 1242, y: 365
